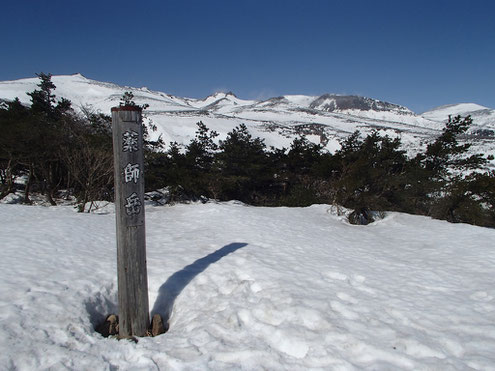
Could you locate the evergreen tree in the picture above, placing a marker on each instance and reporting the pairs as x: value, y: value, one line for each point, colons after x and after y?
x: 243, y: 165
x: 198, y: 161
x: 303, y: 155
x: 201, y: 150
x: 303, y: 173
x: 48, y: 119
x: 436, y: 176
x: 15, y: 140
x: 446, y: 153
x: 370, y: 174
x: 42, y: 99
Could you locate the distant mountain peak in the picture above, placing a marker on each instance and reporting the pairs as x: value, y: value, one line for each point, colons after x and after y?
x: 483, y: 116
x: 336, y: 102
x: 220, y: 94
x: 467, y: 107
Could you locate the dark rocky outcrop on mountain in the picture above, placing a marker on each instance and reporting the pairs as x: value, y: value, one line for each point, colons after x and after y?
x: 332, y: 102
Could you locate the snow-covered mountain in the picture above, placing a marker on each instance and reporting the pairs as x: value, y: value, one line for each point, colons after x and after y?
x: 342, y: 103
x: 323, y: 119
x: 483, y: 117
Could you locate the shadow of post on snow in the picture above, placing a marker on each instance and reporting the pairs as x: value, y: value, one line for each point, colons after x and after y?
x: 174, y: 285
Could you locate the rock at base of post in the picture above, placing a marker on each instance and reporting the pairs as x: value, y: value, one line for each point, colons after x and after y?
x: 157, y: 326
x: 110, y: 327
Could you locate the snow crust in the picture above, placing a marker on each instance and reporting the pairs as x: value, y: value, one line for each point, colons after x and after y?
x: 250, y: 288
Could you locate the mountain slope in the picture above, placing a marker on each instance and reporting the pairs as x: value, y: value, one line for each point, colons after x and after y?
x: 325, y: 119
x: 484, y: 117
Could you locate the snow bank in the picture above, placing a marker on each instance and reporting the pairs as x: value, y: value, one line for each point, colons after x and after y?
x: 250, y: 288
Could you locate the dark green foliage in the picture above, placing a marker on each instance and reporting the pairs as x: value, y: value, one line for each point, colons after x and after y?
x: 56, y: 149
x: 127, y: 99
x: 445, y: 156
x: 437, y: 180
x: 468, y: 199
x: 446, y: 152
x: 197, y: 162
x: 36, y: 136
x: 301, y: 194
x: 371, y: 173
x: 306, y: 172
x: 188, y: 171
x: 87, y: 155
x: 15, y: 123
x: 243, y: 166
x: 42, y: 100
x: 303, y: 156
x: 201, y: 150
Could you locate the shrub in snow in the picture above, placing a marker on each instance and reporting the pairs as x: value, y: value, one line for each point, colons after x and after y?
x: 364, y: 216
x: 12, y: 198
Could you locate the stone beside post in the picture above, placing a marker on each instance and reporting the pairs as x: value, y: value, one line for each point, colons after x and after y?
x: 129, y: 209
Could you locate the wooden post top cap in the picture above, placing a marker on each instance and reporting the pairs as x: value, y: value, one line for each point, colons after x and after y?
x: 127, y: 108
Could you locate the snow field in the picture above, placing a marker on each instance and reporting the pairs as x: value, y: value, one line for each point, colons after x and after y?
x: 250, y: 288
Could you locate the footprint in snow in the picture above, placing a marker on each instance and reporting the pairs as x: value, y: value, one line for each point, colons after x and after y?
x: 357, y: 282
x: 347, y: 298
x: 336, y: 276
x: 481, y: 296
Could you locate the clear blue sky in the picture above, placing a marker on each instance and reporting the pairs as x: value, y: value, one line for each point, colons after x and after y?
x: 420, y: 54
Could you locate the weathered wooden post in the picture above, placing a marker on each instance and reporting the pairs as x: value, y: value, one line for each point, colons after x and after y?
x: 129, y: 208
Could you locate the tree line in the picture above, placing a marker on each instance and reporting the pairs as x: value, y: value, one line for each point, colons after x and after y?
x: 54, y: 149
x: 365, y: 174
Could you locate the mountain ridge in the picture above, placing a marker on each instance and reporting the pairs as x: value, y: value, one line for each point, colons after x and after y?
x: 324, y: 119
x: 340, y: 98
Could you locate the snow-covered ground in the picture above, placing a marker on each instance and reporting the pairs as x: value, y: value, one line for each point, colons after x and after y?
x: 250, y: 288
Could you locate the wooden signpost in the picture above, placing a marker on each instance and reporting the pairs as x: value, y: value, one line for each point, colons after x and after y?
x: 129, y: 208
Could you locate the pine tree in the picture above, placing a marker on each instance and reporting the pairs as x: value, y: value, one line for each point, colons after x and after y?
x: 446, y: 153
x: 42, y: 99
x: 200, y: 151
x: 243, y: 165
x: 371, y: 171
x: 15, y: 149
